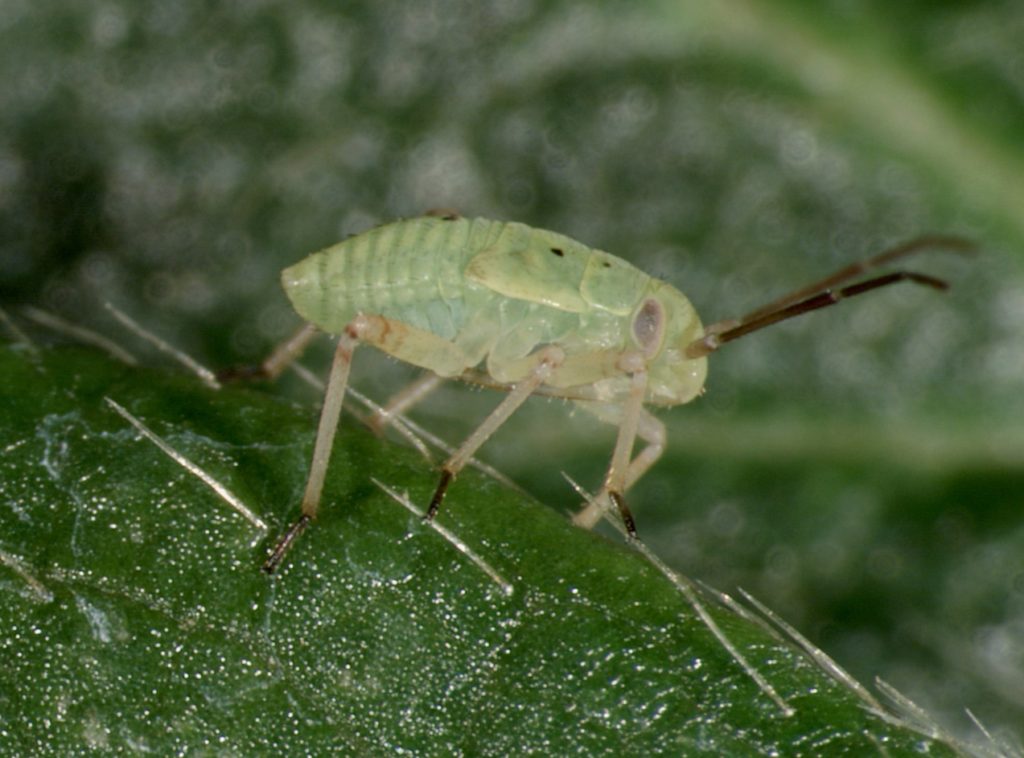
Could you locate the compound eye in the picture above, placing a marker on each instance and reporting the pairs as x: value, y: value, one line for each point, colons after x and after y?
x: 648, y: 325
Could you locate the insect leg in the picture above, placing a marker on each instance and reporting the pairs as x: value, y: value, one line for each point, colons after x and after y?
x: 402, y: 401
x: 288, y: 351
x: 333, y: 396
x: 652, y: 432
x: 392, y: 337
x: 272, y: 366
x: 617, y: 480
x: 548, y: 359
x: 649, y: 429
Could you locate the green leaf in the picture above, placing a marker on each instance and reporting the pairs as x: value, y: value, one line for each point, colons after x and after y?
x: 136, y: 616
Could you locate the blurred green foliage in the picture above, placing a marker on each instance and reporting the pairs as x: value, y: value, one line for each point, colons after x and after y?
x: 859, y: 471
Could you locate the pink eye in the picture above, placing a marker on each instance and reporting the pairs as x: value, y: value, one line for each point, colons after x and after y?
x: 647, y: 325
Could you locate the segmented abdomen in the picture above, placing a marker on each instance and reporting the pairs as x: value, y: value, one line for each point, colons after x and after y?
x: 410, y: 271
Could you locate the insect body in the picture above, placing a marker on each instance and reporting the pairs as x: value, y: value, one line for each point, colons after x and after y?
x: 529, y: 311
x: 459, y: 293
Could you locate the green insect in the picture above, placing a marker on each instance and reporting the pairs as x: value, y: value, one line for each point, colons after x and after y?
x: 528, y: 311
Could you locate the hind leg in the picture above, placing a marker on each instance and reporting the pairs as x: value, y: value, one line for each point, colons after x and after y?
x: 392, y: 337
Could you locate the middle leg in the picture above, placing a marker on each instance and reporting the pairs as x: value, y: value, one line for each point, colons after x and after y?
x: 547, y: 360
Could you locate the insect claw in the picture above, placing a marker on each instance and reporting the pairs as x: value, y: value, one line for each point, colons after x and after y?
x: 435, y: 502
x: 285, y: 544
x: 625, y: 513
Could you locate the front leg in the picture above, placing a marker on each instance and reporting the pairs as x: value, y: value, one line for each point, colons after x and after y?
x: 633, y: 421
x: 617, y: 479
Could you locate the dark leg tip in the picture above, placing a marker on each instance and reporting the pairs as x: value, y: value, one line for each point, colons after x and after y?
x: 435, y: 501
x: 285, y: 544
x: 625, y: 513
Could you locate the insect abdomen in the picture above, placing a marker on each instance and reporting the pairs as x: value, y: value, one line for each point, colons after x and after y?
x: 410, y: 271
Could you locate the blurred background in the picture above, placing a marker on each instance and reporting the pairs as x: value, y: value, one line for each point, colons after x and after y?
x: 859, y: 470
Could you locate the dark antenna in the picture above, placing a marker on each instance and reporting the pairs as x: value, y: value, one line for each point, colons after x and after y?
x: 825, y: 292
